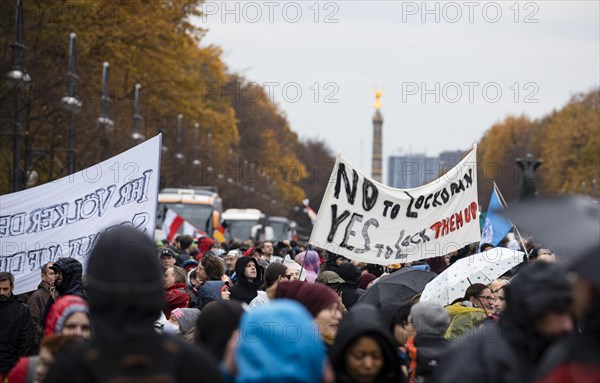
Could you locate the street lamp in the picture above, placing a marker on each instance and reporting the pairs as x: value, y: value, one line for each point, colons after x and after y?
x: 105, y: 123
x: 209, y: 168
x: 17, y: 78
x: 196, y: 161
x: 137, y: 135
x: 71, y: 103
x: 179, y: 156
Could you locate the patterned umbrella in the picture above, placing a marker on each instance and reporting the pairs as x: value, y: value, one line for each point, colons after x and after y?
x: 479, y: 268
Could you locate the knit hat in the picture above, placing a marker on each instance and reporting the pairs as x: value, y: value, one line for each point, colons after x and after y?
x: 429, y: 318
x: 62, y: 309
x: 204, y: 244
x: 124, y: 285
x: 313, y: 296
x: 329, y: 278
x: 365, y: 279
x: 186, y: 318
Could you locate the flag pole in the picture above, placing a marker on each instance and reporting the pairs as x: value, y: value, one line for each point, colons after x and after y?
x: 505, y: 205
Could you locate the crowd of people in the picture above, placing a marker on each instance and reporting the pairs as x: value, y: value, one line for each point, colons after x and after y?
x: 198, y: 310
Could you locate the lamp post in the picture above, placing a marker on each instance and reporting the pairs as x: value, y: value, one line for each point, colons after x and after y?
x: 179, y: 156
x: 137, y: 135
x: 196, y: 161
x: 105, y: 123
x: 17, y: 78
x: 71, y: 103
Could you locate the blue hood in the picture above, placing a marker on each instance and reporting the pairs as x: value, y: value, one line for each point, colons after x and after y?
x: 210, y: 291
x: 279, y: 342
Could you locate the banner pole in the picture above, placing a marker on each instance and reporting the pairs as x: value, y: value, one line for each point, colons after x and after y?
x: 505, y: 205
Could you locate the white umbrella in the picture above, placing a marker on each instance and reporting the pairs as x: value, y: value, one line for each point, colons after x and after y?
x: 478, y: 268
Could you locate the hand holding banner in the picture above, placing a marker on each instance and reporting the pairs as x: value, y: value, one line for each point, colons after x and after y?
x: 367, y: 221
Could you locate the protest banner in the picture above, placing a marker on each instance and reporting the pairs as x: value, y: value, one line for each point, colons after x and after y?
x: 367, y: 221
x: 63, y: 218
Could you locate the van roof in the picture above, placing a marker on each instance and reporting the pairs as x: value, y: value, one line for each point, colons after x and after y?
x: 253, y: 214
x: 191, y: 196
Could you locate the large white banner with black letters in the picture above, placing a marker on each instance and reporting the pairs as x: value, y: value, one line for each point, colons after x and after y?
x: 63, y: 218
x: 367, y: 221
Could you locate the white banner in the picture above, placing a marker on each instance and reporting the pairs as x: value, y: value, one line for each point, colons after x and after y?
x: 367, y: 221
x: 63, y: 218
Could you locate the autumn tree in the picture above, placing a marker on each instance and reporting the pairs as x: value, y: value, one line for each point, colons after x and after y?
x: 151, y: 43
x: 567, y: 140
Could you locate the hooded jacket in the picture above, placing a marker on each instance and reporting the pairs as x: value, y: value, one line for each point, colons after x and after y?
x: 349, y: 289
x: 278, y: 343
x: 364, y: 320
x: 462, y: 319
x: 61, y: 310
x: 210, y: 291
x: 72, y: 271
x: 176, y: 296
x: 125, y: 297
x: 509, y: 350
x: 245, y: 290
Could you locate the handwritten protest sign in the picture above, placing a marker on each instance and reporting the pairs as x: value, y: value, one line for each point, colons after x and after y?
x: 63, y: 218
x: 367, y: 221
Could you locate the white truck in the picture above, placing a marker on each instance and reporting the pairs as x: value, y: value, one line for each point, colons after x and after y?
x: 244, y: 224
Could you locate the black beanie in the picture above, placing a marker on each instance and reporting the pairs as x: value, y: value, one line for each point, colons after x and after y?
x: 124, y: 280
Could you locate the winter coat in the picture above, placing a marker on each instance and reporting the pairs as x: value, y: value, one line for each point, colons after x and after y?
x: 16, y: 333
x: 176, y: 297
x: 576, y: 359
x: 24, y: 370
x: 508, y: 351
x: 37, y: 303
x: 462, y: 319
x: 425, y: 353
x: 72, y: 271
x: 245, y: 290
x: 210, y: 291
x: 364, y: 319
x: 349, y: 289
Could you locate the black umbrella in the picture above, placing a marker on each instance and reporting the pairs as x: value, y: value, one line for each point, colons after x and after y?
x: 397, y: 288
x: 569, y: 226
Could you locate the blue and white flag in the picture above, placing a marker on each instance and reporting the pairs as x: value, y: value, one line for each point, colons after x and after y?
x: 496, y: 226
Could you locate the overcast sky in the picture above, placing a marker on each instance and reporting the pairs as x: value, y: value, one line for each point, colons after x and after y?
x: 449, y: 70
